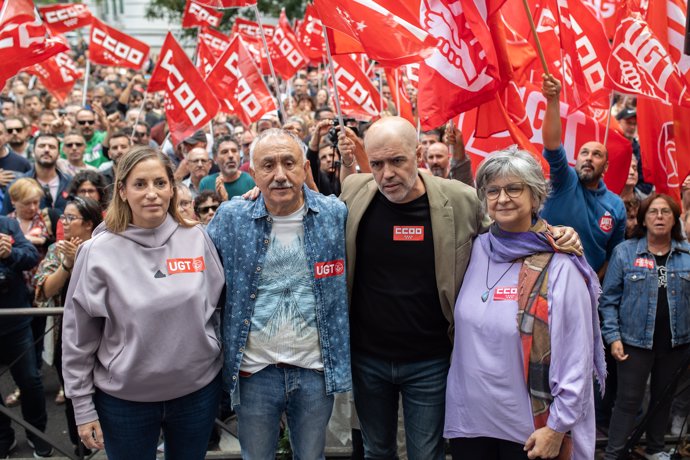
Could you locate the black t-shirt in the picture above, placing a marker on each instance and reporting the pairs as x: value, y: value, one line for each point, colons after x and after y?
x: 662, y: 323
x: 396, y: 311
x: 14, y: 162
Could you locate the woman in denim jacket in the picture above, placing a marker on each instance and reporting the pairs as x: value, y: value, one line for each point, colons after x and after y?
x: 646, y: 319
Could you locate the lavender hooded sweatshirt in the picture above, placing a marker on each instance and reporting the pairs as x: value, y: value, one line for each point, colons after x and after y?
x: 139, y: 316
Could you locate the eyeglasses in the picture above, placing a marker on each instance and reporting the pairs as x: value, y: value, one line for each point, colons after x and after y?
x: 139, y: 134
x: 86, y: 122
x: 74, y: 144
x: 185, y: 203
x: 70, y: 218
x: 206, y: 209
x: 665, y: 212
x: 14, y: 130
x: 87, y: 191
x: 199, y: 161
x: 513, y: 190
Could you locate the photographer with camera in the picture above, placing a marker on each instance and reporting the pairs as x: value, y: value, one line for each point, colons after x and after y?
x: 323, y: 154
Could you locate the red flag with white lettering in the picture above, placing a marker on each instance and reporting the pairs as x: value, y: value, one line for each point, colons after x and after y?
x: 357, y: 95
x: 198, y: 15
x: 205, y: 60
x: 238, y: 84
x: 640, y: 64
x: 110, y: 47
x: 216, y: 42
x: 310, y: 34
x: 64, y: 17
x: 58, y: 74
x: 190, y: 103
x: 468, y: 66
x: 390, y: 31
x: 394, y: 78
x: 252, y: 28
x: 251, y: 35
x: 219, y: 4
x: 23, y: 39
x: 284, y: 49
x: 608, y: 13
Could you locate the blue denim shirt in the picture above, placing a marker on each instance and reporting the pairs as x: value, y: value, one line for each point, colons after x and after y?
x: 241, y: 231
x: 628, y: 303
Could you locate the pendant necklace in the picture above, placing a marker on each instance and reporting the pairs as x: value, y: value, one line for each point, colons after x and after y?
x: 485, y: 295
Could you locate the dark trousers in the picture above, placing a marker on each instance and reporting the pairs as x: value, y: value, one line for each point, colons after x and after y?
x: 26, y: 376
x: 632, y: 381
x: 486, y: 449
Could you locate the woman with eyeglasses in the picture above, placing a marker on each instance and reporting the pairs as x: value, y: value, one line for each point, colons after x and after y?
x: 527, y: 338
x: 140, y: 351
x: 81, y: 217
x: 90, y: 184
x: 645, y: 308
x: 205, y: 205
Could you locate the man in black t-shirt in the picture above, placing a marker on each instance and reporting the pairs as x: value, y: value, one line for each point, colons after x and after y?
x: 11, y: 164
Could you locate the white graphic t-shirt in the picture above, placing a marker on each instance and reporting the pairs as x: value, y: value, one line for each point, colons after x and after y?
x: 283, y: 328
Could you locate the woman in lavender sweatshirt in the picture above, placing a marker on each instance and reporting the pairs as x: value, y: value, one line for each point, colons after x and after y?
x: 527, y: 337
x: 140, y: 352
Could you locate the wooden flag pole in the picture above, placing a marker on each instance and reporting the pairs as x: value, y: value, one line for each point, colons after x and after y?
x: 281, y: 113
x: 86, y: 82
x: 540, y: 51
x: 608, y: 121
x: 141, y: 110
x: 335, y: 82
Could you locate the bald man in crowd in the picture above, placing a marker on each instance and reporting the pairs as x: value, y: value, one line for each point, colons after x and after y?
x: 409, y: 238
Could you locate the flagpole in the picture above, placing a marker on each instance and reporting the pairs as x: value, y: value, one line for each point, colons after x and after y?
x: 397, y: 90
x: 319, y: 73
x: 335, y: 82
x: 540, y: 51
x: 281, y: 115
x: 380, y: 90
x: 451, y: 148
x: 4, y: 10
x: 608, y: 121
x: 86, y: 81
x: 141, y: 109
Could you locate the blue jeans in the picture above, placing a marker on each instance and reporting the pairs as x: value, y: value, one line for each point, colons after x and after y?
x: 377, y: 384
x: 131, y: 429
x: 265, y: 395
x: 25, y: 375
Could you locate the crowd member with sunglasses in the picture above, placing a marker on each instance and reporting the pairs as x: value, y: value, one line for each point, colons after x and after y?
x: 81, y: 217
x: 645, y: 308
x: 86, y: 126
x: 73, y: 147
x: 522, y: 389
x: 206, y: 204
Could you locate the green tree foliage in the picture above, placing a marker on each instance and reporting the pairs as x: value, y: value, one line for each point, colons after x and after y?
x: 171, y: 10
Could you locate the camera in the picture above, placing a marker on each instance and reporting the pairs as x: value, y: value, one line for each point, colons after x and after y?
x: 333, y: 132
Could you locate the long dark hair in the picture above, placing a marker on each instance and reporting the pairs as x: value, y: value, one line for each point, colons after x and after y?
x: 98, y: 181
x: 89, y: 209
x: 641, y: 230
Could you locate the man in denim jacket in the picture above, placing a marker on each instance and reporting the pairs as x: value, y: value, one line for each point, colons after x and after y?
x: 285, y: 323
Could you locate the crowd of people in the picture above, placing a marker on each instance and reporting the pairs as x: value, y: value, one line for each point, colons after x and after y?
x: 264, y: 269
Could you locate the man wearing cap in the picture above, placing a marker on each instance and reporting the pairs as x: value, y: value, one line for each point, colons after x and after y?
x: 627, y: 119
x: 580, y: 198
x: 179, y: 156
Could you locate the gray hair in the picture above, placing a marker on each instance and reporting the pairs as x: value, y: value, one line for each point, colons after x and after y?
x: 513, y: 162
x: 272, y: 133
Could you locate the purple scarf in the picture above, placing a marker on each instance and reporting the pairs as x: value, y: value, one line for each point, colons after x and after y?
x: 502, y: 247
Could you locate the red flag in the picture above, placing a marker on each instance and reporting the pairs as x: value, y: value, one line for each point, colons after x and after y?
x: 389, y: 30
x: 216, y: 42
x: 252, y: 28
x: 198, y: 15
x: 23, y: 39
x: 357, y: 95
x: 342, y: 43
x: 238, y: 84
x: 190, y: 104
x: 469, y: 65
x: 205, y: 60
x: 64, y: 17
x: 310, y: 34
x: 286, y: 54
x: 110, y: 47
x: 226, y: 3
x: 399, y: 94
x: 58, y: 74
x: 608, y: 13
x: 640, y: 64
x: 578, y: 128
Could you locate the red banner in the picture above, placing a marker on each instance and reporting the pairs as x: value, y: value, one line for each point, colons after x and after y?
x: 198, y: 15
x: 64, y: 17
x: 226, y: 3
x: 310, y: 35
x: 58, y: 74
x: 190, y: 103
x: 238, y: 84
x: 110, y: 47
x: 285, y: 52
x: 205, y: 59
x: 216, y: 42
x: 578, y: 129
x: 399, y: 94
x: 357, y: 95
